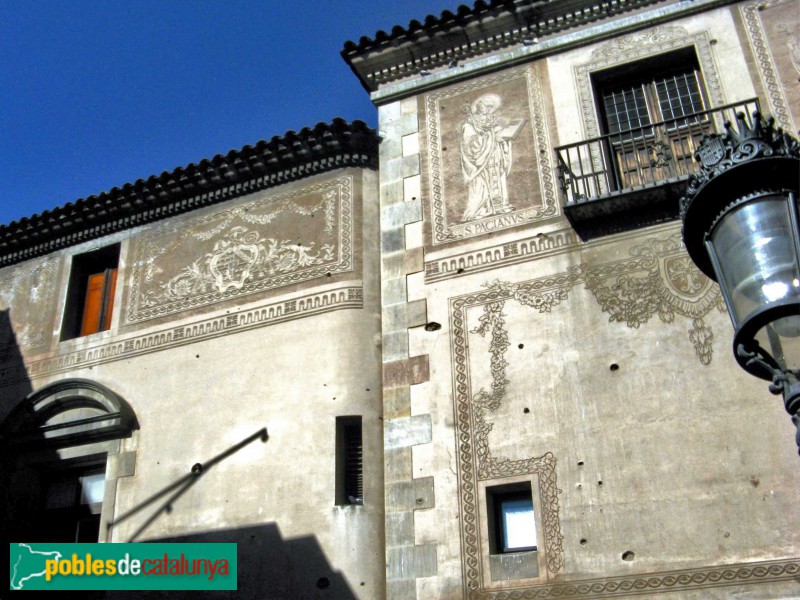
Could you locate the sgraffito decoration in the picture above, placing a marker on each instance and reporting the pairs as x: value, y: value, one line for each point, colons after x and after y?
x: 657, y: 278
x: 773, y: 31
x: 247, y: 249
x: 489, y: 156
x: 27, y: 303
x: 107, y: 350
x: 473, y: 412
x: 660, y: 279
x: 675, y: 582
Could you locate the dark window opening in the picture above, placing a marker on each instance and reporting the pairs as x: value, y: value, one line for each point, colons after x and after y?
x: 349, y: 461
x: 71, y: 504
x: 90, y: 296
x: 512, y: 524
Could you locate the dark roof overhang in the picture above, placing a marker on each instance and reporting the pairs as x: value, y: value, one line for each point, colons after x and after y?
x: 468, y: 32
x: 293, y: 156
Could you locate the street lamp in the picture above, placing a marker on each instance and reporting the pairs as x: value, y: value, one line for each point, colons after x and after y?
x: 740, y: 227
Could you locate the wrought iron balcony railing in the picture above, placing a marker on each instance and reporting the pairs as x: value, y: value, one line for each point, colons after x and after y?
x: 646, y: 155
x: 639, y: 173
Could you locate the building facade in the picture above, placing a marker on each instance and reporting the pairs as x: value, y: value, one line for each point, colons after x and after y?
x: 487, y: 368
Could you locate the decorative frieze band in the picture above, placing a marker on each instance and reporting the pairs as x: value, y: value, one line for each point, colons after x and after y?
x: 501, y: 255
x: 652, y: 583
x: 170, y: 337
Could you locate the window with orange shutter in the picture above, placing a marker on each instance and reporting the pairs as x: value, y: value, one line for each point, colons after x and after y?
x: 90, y: 298
x: 99, y: 302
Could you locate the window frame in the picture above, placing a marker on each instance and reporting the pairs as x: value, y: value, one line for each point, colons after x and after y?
x: 89, y: 305
x: 647, y: 153
x: 646, y: 74
x: 349, y: 486
x: 496, y: 497
x: 74, y: 515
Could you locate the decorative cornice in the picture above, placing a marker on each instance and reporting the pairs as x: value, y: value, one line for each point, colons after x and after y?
x: 469, y: 32
x: 267, y: 164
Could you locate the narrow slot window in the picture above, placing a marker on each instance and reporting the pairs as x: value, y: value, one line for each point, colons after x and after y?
x: 349, y: 461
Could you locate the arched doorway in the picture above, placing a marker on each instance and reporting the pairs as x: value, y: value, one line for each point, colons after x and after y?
x: 61, y: 453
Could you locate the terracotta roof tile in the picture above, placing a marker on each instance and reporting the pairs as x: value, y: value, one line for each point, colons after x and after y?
x: 468, y: 32
x: 281, y: 159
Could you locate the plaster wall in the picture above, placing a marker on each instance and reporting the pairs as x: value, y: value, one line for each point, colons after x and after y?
x: 717, y: 44
x: 291, y: 359
x: 656, y: 453
x: 601, y: 373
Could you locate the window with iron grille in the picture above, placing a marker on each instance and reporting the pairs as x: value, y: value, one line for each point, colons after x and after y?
x: 657, y: 89
x: 349, y: 461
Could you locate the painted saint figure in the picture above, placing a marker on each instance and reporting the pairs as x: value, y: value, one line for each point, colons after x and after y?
x: 486, y: 157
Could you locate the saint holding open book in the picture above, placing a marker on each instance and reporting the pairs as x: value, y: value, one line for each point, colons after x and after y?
x: 486, y: 157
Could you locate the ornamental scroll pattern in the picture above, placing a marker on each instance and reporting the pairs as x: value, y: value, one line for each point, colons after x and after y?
x: 661, y: 279
x: 472, y: 411
x: 658, y: 278
x: 28, y: 295
x: 251, y: 248
x: 654, y: 583
x: 767, y: 32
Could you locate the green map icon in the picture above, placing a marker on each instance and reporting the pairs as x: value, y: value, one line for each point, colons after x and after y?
x: 27, y: 564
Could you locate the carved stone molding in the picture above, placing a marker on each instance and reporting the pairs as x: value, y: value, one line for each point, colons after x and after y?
x: 243, y: 250
x: 170, y: 337
x: 637, y: 46
x: 765, y: 60
x: 530, y: 193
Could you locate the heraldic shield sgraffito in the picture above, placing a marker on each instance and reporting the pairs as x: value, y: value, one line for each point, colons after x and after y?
x: 249, y: 249
x: 658, y: 278
x: 488, y: 156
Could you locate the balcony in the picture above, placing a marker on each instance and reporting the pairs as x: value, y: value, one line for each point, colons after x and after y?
x: 622, y: 181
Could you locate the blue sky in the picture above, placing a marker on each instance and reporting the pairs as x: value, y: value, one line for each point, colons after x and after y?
x: 95, y: 94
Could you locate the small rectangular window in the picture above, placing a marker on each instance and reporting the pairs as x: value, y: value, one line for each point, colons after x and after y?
x: 349, y: 455
x: 90, y: 295
x: 512, y: 520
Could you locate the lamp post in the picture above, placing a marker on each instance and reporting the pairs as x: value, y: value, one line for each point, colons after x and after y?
x: 740, y: 227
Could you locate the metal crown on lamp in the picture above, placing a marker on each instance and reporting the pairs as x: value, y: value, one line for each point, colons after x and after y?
x: 740, y: 227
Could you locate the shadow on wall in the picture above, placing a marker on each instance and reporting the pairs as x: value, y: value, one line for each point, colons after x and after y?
x: 14, y: 382
x: 270, y: 568
x: 170, y: 494
x: 14, y: 387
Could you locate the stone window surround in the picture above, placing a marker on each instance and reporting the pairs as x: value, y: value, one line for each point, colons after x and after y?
x: 493, y: 578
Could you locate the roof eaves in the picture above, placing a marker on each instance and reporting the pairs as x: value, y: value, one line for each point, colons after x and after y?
x: 487, y: 27
x: 293, y: 156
